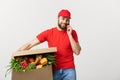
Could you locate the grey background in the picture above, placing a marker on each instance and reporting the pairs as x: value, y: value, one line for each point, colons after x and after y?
x: 97, y: 23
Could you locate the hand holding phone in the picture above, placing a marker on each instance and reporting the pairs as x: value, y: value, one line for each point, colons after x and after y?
x: 69, y: 29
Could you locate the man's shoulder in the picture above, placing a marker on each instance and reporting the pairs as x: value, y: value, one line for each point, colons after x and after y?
x: 74, y: 32
x: 52, y: 29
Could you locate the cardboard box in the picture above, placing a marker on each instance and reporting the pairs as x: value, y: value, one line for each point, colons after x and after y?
x: 44, y: 73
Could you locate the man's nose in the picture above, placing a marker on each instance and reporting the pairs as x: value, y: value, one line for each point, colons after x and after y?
x: 64, y: 21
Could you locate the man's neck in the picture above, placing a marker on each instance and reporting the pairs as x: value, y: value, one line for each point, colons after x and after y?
x: 60, y: 29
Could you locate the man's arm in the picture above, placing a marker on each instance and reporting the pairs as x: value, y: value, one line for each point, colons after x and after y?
x: 29, y: 45
x: 75, y: 45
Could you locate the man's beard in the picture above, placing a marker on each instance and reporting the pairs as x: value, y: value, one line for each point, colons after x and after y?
x: 64, y: 27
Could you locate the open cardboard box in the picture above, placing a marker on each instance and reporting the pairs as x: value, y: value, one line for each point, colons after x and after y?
x: 44, y: 73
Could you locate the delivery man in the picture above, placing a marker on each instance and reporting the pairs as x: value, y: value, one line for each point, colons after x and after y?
x: 65, y: 39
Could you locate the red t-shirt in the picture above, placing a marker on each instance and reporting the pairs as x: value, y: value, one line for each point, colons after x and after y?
x: 60, y: 39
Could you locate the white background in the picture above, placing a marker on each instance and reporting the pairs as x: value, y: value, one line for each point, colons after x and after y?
x: 97, y: 23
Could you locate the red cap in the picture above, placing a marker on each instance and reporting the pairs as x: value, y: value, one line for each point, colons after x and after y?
x: 65, y: 13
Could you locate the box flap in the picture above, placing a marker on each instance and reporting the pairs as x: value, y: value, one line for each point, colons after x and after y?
x: 36, y: 51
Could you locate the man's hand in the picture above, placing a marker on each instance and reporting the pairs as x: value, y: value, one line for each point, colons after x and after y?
x: 69, y: 30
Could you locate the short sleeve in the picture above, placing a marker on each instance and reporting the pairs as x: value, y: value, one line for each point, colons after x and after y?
x: 43, y: 36
x: 74, y: 34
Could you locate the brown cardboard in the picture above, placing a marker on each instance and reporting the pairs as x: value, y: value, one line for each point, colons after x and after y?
x: 44, y: 73
x: 36, y: 51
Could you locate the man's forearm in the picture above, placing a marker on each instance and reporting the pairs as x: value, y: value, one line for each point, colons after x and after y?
x: 75, y: 45
x: 25, y: 47
x: 29, y: 45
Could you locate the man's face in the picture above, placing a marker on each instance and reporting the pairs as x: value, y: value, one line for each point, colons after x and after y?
x: 63, y: 22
